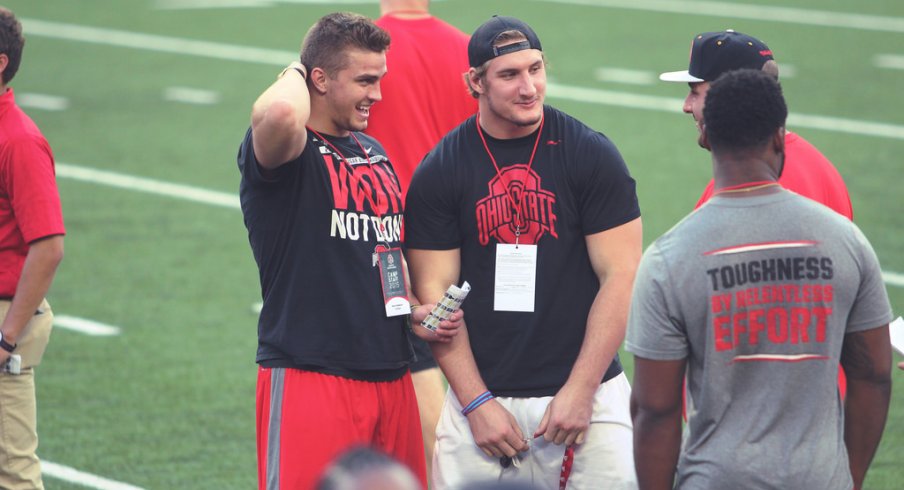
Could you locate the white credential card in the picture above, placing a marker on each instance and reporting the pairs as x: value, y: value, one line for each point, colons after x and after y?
x: 896, y: 331
x: 516, y: 277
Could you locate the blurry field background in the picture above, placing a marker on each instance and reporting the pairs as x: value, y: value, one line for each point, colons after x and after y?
x: 140, y: 97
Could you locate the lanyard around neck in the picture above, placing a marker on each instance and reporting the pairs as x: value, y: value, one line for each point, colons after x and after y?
x: 508, y: 192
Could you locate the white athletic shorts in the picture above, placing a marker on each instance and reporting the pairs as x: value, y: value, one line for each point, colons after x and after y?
x: 604, y: 461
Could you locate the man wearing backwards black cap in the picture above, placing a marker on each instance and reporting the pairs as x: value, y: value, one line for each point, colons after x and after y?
x: 806, y: 171
x: 539, y: 214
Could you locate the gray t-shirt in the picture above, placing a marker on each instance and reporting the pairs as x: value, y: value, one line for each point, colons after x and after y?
x: 757, y: 293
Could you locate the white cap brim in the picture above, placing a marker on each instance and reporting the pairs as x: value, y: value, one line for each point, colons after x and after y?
x: 679, y: 76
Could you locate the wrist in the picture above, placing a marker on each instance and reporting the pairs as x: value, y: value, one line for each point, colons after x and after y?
x: 295, y: 66
x: 477, y: 402
x: 7, y: 344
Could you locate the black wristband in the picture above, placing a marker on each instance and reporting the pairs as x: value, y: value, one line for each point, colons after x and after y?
x: 7, y: 346
x: 297, y: 68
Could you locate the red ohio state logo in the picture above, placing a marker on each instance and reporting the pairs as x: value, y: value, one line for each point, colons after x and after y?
x: 496, y: 213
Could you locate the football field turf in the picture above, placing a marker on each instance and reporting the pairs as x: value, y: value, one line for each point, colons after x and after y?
x: 145, y: 102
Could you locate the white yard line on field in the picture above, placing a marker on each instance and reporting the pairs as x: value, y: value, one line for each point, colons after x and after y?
x: 87, y: 327
x: 668, y: 104
x: 153, y: 42
x: 625, y: 75
x: 77, y: 477
x: 151, y: 186
x: 193, y: 96
x: 891, y: 61
x: 788, y: 15
x: 42, y: 101
x: 280, y: 58
x: 893, y: 279
x: 216, y: 198
x: 218, y: 4
x: 210, y: 4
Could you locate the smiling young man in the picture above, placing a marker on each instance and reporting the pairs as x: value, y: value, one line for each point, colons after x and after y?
x: 806, y: 171
x: 323, y: 210
x: 539, y: 214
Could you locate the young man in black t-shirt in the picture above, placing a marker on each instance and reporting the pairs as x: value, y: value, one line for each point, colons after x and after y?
x: 539, y: 214
x: 323, y: 209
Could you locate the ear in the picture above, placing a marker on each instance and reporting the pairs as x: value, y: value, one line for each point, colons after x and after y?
x: 778, y: 140
x: 319, y: 80
x: 475, y: 81
x: 4, y: 62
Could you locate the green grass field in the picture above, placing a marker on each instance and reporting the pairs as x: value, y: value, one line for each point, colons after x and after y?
x: 169, y: 403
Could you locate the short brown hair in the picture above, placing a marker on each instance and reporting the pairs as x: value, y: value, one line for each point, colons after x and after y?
x: 326, y: 42
x: 11, y: 43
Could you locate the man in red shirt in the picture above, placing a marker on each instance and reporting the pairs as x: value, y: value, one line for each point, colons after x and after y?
x: 806, y: 171
x: 424, y: 97
x: 31, y: 248
x: 424, y: 93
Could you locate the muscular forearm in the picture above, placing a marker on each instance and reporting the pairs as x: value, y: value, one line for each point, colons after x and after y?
x: 866, y: 409
x: 43, y: 257
x: 432, y: 272
x: 866, y: 358
x: 657, y: 442
x: 605, y: 330
x: 656, y: 412
x: 457, y: 362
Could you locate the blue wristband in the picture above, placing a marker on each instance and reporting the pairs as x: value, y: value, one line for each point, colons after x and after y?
x: 480, y: 400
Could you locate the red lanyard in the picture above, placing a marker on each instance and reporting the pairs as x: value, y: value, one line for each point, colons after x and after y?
x: 747, y: 186
x: 567, y: 463
x: 351, y: 169
x: 508, y: 193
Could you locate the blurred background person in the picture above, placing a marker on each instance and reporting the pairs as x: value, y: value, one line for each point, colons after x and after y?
x: 31, y: 248
x: 363, y: 468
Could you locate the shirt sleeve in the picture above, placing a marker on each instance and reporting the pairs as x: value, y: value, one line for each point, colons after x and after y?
x: 251, y: 170
x: 654, y: 331
x: 871, y: 307
x: 607, y: 192
x: 431, y: 210
x: 30, y: 180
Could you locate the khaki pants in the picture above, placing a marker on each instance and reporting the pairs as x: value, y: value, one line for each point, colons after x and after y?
x: 20, y: 468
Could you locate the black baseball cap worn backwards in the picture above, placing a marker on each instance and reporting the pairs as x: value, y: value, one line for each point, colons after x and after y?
x: 714, y: 53
x: 481, y: 46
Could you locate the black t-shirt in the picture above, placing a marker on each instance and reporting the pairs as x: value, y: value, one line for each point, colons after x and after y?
x: 313, y: 225
x: 578, y: 185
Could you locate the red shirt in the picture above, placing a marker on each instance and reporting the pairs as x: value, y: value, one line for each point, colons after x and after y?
x: 808, y: 173
x: 29, y: 200
x: 424, y: 92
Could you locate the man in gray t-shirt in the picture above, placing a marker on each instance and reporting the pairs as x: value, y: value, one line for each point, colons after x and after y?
x: 757, y: 296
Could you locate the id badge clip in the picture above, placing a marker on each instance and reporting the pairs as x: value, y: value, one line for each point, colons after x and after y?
x: 393, y: 278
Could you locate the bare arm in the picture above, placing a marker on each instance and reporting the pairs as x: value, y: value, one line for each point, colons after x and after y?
x: 866, y: 358
x: 44, y: 255
x: 656, y: 411
x: 278, y: 119
x: 447, y: 328
x: 494, y: 429
x: 614, y: 256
